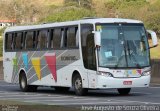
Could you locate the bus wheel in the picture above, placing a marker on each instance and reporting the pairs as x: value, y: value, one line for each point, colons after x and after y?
x: 124, y: 91
x: 23, y: 84
x: 61, y: 89
x: 77, y: 84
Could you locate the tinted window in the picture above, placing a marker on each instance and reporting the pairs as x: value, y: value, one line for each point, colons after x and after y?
x: 29, y: 40
x: 51, y: 38
x: 88, y: 47
x: 71, y: 37
x: 9, y: 41
x: 18, y: 40
x: 43, y: 39
x: 35, y: 39
x: 64, y: 37
x: 56, y: 35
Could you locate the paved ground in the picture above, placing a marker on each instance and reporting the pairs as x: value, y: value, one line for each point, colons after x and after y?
x: 138, y: 96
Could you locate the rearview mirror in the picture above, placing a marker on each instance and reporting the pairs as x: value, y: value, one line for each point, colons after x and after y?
x: 97, y: 38
x: 153, y: 36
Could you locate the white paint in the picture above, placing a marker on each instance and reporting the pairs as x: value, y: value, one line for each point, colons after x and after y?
x: 69, y: 100
x: 143, y: 102
x: 88, y: 103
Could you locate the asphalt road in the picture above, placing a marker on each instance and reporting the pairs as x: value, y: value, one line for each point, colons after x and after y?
x: 48, y: 96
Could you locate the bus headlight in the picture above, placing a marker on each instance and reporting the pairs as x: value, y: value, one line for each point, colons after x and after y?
x: 106, y: 74
x: 146, y: 73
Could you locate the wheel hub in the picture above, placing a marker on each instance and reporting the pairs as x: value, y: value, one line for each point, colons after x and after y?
x: 78, y: 84
x: 23, y: 83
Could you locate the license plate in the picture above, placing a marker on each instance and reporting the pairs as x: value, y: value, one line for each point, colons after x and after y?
x: 127, y: 82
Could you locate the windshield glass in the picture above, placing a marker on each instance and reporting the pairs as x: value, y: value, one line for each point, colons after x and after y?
x: 123, y: 45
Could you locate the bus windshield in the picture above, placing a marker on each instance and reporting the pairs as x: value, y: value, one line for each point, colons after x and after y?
x: 123, y: 45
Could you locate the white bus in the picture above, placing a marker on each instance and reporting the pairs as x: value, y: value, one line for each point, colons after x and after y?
x: 93, y: 53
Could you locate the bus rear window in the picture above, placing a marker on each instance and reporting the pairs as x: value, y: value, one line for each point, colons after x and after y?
x: 9, y: 42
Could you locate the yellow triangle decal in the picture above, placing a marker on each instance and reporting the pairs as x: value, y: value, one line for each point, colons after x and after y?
x: 36, y: 62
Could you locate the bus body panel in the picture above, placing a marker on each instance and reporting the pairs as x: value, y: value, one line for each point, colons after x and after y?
x: 64, y: 68
x: 65, y: 76
x: 92, y: 75
x: 9, y: 63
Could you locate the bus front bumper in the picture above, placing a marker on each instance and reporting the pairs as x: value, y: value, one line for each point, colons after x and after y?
x: 110, y: 82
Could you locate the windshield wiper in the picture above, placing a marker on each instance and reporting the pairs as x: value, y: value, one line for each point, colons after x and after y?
x: 125, y: 52
x: 131, y: 55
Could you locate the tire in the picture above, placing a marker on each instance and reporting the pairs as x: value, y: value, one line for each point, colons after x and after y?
x: 124, y: 91
x: 61, y: 89
x: 23, y: 84
x: 77, y: 85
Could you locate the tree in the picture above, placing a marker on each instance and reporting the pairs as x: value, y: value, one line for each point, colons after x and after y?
x: 23, y: 11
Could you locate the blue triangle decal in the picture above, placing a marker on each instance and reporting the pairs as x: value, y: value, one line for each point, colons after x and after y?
x: 25, y: 60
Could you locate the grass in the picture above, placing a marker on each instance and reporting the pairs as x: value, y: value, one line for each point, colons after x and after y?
x: 65, y: 15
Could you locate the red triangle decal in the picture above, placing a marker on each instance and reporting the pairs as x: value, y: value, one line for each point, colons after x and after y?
x: 139, y: 71
x: 51, y: 62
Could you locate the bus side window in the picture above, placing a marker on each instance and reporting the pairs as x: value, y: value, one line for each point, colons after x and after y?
x: 71, y: 37
x: 14, y: 41
x: 51, y: 38
x: 77, y: 36
x: 64, y: 37
x: 36, y: 41
x: 43, y: 39
x: 57, y: 38
x: 22, y: 41
x: 9, y: 41
x: 29, y: 40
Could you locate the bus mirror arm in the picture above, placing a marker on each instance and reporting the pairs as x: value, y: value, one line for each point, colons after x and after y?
x: 153, y: 46
x: 154, y: 38
x: 97, y: 38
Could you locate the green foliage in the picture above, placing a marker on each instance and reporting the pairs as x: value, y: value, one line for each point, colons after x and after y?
x: 70, y: 14
x: 152, y: 19
x: 136, y: 9
x: 1, y: 41
x: 1, y: 47
x: 2, y: 31
x: 143, y: 10
x: 80, y: 3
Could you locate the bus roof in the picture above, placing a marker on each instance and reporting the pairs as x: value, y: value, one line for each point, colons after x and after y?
x: 59, y: 24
